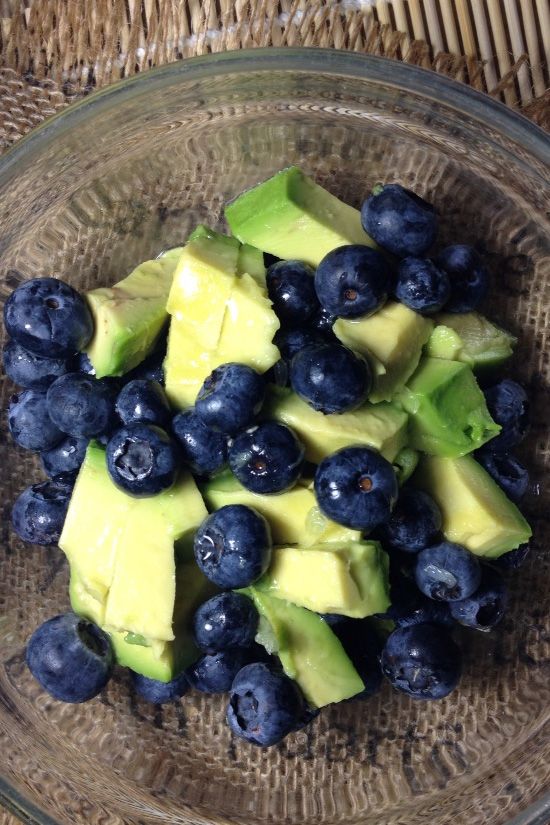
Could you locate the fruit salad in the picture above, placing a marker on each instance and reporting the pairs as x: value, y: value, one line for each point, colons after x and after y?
x: 280, y: 462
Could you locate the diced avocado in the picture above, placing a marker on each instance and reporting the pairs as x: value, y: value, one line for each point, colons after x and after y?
x: 382, y: 426
x: 349, y: 578
x: 309, y: 651
x: 293, y: 217
x: 203, y: 231
x: 129, y: 316
x: 476, y: 512
x: 447, y: 411
x: 471, y: 338
x: 251, y: 262
x: 394, y: 337
x: 249, y: 326
x: 405, y: 463
x: 294, y: 516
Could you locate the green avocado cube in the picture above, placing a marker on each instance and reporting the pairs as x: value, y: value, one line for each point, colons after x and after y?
x: 448, y: 415
x: 470, y: 337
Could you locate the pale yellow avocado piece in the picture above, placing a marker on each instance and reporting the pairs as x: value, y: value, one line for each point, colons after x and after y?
x: 349, y: 578
x: 293, y: 516
x: 381, y: 426
x: 476, y: 512
x: 186, y: 366
x: 249, y: 326
x: 394, y: 336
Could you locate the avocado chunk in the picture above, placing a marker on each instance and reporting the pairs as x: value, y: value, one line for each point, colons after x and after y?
x: 405, y: 463
x: 448, y: 415
x: 382, y: 426
x: 309, y: 651
x: 251, y: 262
x: 349, y: 578
x: 293, y: 516
x: 470, y: 337
x: 476, y: 512
x: 392, y: 339
x: 204, y: 231
x: 292, y: 217
x: 129, y: 316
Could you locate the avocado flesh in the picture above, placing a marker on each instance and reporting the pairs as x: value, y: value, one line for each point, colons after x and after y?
x: 382, y: 426
x: 405, y: 463
x: 251, y: 262
x: 393, y: 339
x: 448, y: 415
x: 293, y: 516
x: 292, y: 217
x: 471, y: 338
x: 349, y: 578
x: 129, y: 316
x: 123, y: 570
x: 309, y: 651
x: 476, y: 512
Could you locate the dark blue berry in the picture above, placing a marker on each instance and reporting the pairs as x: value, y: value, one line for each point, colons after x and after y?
x: 159, y: 693
x: 291, y: 289
x: 468, y: 277
x: 39, y: 511
x: 484, y: 608
x: 291, y: 341
x: 81, y: 363
x: 508, y: 472
x: 356, y: 487
x: 277, y: 374
x: 399, y: 220
x: 266, y: 458
x: 363, y: 647
x: 333, y: 619
x: 81, y: 405
x: 447, y: 572
x: 330, y: 377
x: 214, y: 672
x: 230, y: 397
x: 70, y: 657
x: 150, y: 369
x: 422, y: 660
x: 66, y: 457
x: 142, y: 459
x: 31, y: 371
x: 264, y: 705
x: 144, y: 401
x: 48, y: 317
x: 508, y: 404
x: 224, y: 621
x: 29, y: 422
x: 233, y: 546
x: 414, y: 523
x: 323, y: 322
x: 419, y: 609
x: 421, y: 285
x: 514, y: 559
x: 352, y: 281
x: 202, y: 448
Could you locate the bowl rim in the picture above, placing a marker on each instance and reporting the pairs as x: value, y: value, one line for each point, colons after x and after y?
x: 393, y: 73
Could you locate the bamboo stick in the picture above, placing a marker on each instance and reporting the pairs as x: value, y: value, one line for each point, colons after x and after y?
x: 484, y: 40
x: 531, y: 36
x: 402, y: 22
x: 543, y: 9
x: 436, y: 38
x: 501, y: 44
x: 419, y: 31
x: 518, y: 48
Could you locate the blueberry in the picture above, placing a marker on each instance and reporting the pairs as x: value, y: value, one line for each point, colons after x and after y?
x: 414, y: 523
x: 31, y: 371
x: 419, y: 609
x: 233, y: 546
x: 224, y: 621
x: 29, y: 422
x: 484, y: 608
x: 214, y: 672
x: 142, y: 459
x: 266, y: 458
x: 264, y: 705
x: 160, y: 692
x: 447, y: 572
x: 323, y: 321
x: 356, y: 487
x: 467, y: 274
x: 150, y: 369
x: 399, y: 220
x: 508, y: 472
x: 291, y: 341
x: 352, y: 281
x: 81, y: 405
x: 333, y: 619
x: 508, y: 404
x: 66, y: 457
x: 39, y: 511
x: 81, y: 363
x: 291, y: 289
x: 230, y: 397
x: 422, y: 660
x: 363, y: 647
x: 277, y: 374
x: 330, y: 377
x: 203, y: 449
x: 144, y: 401
x: 514, y: 559
x: 48, y: 317
x: 70, y: 657
x: 421, y: 285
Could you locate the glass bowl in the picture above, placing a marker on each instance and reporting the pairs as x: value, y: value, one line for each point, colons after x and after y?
x: 128, y: 172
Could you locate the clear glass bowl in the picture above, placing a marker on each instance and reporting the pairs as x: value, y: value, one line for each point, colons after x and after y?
x: 129, y: 172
